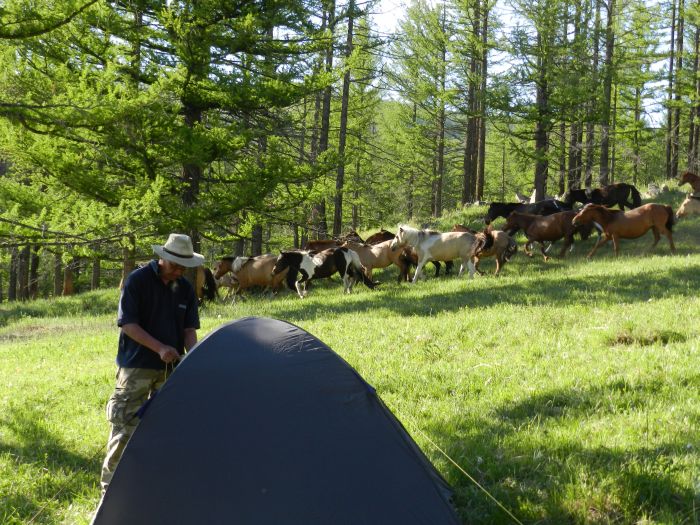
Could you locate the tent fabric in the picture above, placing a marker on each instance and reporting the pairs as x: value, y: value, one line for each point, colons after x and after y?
x: 263, y: 424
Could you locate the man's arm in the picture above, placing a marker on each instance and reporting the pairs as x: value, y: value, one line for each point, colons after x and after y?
x: 190, y: 338
x: 167, y: 353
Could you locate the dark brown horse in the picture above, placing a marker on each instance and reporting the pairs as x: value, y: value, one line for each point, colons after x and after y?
x: 544, y: 207
x: 620, y: 194
x: 205, y: 284
x: 352, y: 235
x: 540, y: 229
x: 320, y: 245
x: 689, y: 177
x: 381, y: 236
x: 628, y: 225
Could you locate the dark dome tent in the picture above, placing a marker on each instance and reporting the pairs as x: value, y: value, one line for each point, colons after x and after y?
x: 263, y: 424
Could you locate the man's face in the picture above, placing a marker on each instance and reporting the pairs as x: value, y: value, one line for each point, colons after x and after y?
x: 170, y: 271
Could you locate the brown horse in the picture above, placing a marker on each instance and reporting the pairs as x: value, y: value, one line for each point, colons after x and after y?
x: 205, y: 286
x: 247, y: 272
x: 493, y: 243
x: 689, y: 177
x: 380, y: 256
x: 628, y: 225
x: 320, y: 245
x: 540, y: 229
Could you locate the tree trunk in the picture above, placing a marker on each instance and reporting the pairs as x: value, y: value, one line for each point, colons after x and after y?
x: 593, y: 102
x: 238, y: 247
x: 503, y: 170
x: 542, y: 128
x: 319, y: 211
x: 256, y: 241
x: 437, y: 210
x: 675, y: 142
x: 340, y: 177
x: 34, y: 273
x: 562, y: 158
x: 58, y: 274
x: 574, y: 172
x: 482, y: 106
x: 191, y: 178
x: 635, y: 138
x: 573, y: 176
x: 12, y: 282
x: 603, y: 176
x: 68, y: 276
x: 471, y: 146
x: 23, y: 273
x: 694, y: 125
x: 95, y: 274
x: 411, y: 174
x: 356, y: 196
x: 613, y: 140
x: 669, y: 117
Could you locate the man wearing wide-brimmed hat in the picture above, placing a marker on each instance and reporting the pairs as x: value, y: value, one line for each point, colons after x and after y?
x: 159, y: 321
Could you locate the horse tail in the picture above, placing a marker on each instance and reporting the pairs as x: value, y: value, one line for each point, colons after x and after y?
x: 510, y: 250
x: 636, y: 197
x: 356, y: 267
x: 671, y: 218
x: 481, y: 243
x: 209, y: 289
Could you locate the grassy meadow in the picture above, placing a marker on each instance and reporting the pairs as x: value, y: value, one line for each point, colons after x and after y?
x: 570, y: 390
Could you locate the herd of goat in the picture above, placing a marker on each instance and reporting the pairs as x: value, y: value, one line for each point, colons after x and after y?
x: 543, y: 222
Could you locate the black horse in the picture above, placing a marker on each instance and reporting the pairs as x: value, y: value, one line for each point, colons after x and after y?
x: 544, y: 207
x: 620, y: 194
x: 571, y: 197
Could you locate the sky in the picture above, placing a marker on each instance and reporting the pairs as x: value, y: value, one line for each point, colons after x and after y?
x: 388, y: 14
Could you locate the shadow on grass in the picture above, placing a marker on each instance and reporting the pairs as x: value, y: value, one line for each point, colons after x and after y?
x: 57, y: 473
x: 537, y: 477
x: 553, y: 291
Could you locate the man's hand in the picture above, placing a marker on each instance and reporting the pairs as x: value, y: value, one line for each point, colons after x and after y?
x: 168, y: 354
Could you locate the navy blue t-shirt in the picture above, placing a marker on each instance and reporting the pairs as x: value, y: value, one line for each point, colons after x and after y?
x: 164, y: 311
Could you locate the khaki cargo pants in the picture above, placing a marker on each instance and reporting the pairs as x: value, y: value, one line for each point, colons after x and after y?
x: 134, y: 387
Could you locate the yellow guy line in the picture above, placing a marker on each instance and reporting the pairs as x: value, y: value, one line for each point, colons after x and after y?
x: 483, y: 489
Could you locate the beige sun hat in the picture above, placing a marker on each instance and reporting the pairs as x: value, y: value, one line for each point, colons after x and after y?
x: 178, y: 249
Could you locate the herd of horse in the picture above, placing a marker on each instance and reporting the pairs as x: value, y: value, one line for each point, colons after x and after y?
x: 543, y: 222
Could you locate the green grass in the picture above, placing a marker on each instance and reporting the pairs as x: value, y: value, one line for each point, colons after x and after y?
x: 570, y: 389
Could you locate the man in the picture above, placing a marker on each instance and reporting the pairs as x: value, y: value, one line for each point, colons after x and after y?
x: 159, y: 321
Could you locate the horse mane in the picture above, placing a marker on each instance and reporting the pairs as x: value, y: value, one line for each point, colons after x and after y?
x: 239, y: 263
